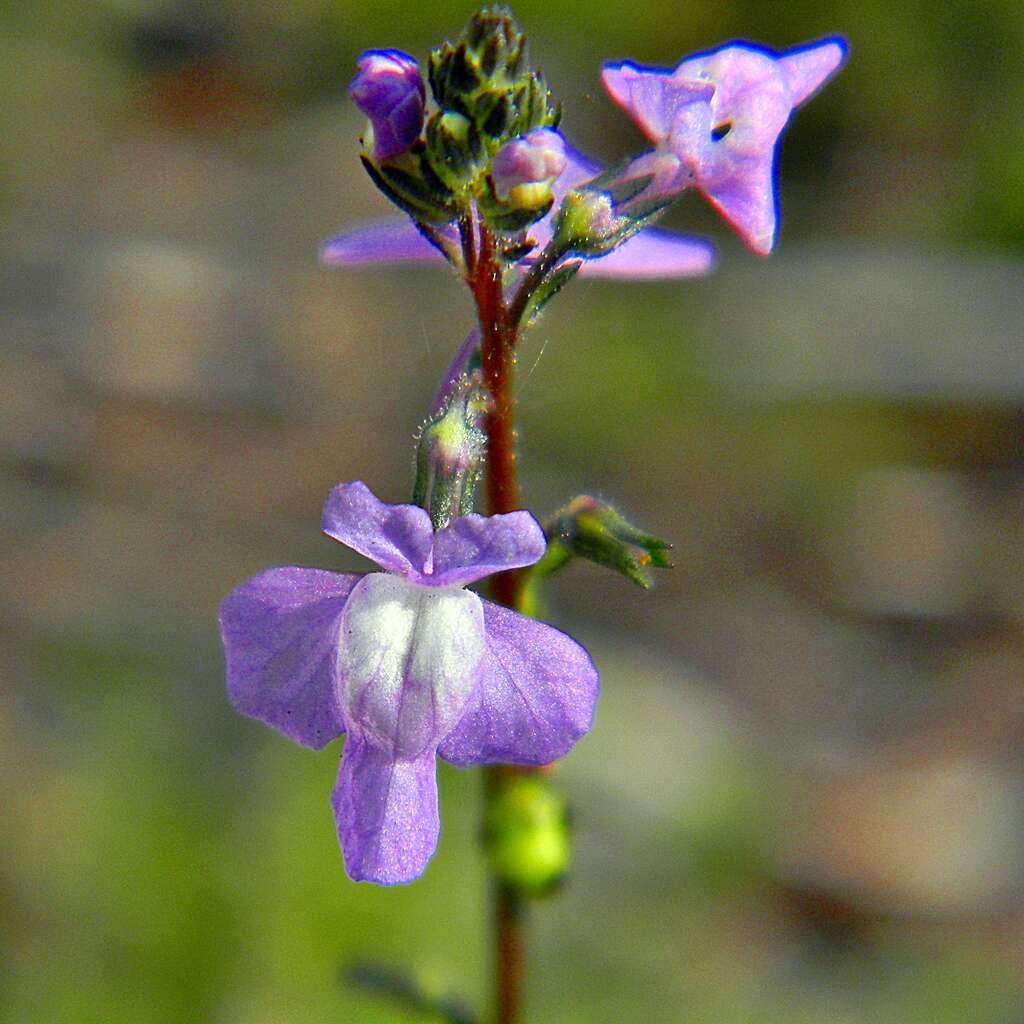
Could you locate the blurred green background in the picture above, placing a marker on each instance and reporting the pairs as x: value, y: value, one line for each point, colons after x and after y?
x: 803, y: 799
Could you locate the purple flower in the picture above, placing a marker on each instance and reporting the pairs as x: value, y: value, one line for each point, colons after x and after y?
x: 650, y: 255
x: 717, y: 119
x: 529, y: 163
x: 388, y: 89
x: 409, y: 665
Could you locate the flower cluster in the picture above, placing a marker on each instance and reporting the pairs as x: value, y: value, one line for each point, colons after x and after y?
x: 716, y: 120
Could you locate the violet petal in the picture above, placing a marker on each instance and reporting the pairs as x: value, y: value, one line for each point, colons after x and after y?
x: 536, y: 696
x: 655, y: 255
x: 472, y: 547
x: 808, y: 68
x: 397, y: 537
x: 387, y: 242
x: 386, y: 813
x: 280, y: 634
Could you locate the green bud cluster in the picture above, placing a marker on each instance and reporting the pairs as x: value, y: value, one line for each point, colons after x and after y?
x: 528, y: 836
x: 486, y: 95
x: 486, y: 77
x: 450, y: 454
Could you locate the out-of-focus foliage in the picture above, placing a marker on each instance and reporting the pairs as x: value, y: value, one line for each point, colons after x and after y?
x: 802, y: 799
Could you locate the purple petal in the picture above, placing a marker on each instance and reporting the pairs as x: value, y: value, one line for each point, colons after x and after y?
x: 651, y: 96
x: 806, y: 70
x: 390, y: 242
x: 536, y: 696
x: 472, y: 547
x: 280, y: 633
x: 459, y: 366
x: 386, y: 812
x: 655, y: 255
x: 396, y: 537
x: 389, y: 90
x: 748, y: 201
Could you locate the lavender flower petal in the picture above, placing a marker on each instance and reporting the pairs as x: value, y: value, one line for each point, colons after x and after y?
x: 472, y: 547
x: 651, y: 96
x: 389, y: 90
x: 280, y: 633
x: 807, y: 68
x: 725, y: 140
x: 386, y: 813
x: 396, y: 537
x: 536, y: 696
x: 655, y: 255
x: 388, y: 242
x: 459, y: 366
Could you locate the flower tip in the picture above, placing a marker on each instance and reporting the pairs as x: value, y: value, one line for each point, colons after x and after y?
x: 807, y: 68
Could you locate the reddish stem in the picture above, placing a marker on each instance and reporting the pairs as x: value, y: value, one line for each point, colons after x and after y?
x: 497, y: 357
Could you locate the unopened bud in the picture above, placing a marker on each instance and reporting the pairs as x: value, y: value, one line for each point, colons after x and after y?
x: 592, y: 529
x: 527, y: 836
x: 586, y: 223
x: 524, y: 169
x: 454, y: 148
x: 450, y: 455
x: 388, y: 89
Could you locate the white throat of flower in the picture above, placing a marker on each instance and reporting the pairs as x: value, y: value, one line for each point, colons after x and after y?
x: 407, y: 661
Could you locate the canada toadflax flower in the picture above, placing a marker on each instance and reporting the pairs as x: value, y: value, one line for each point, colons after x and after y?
x: 408, y: 665
x: 716, y: 120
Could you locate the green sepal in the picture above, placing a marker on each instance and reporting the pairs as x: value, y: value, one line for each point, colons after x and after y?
x: 550, y: 287
x: 486, y: 77
x: 592, y: 529
x: 507, y: 218
x: 450, y: 452
x: 627, y: 190
x: 454, y: 150
x: 421, y: 195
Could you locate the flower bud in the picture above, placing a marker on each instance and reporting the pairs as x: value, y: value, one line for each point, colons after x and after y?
x: 586, y: 223
x: 524, y: 169
x: 454, y: 148
x: 527, y: 836
x: 450, y: 455
x: 388, y: 89
x: 591, y: 529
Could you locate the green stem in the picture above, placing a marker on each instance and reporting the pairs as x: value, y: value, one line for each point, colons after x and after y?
x: 545, y: 263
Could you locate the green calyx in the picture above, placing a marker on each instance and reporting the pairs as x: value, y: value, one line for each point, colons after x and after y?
x: 592, y: 529
x: 450, y: 454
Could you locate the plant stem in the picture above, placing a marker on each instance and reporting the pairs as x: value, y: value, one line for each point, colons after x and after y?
x: 497, y: 356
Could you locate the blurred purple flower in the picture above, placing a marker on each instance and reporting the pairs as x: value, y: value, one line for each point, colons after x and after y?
x: 717, y: 119
x: 650, y: 255
x: 538, y: 158
x: 388, y: 89
x: 409, y: 665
